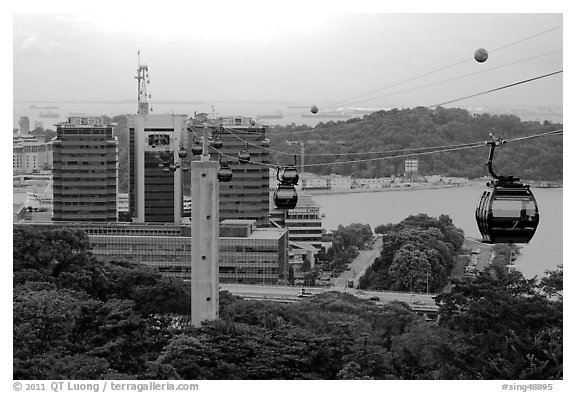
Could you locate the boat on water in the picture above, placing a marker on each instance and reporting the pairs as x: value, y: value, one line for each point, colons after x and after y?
x: 49, y: 114
x: 328, y: 115
x: 277, y: 115
x: 43, y: 107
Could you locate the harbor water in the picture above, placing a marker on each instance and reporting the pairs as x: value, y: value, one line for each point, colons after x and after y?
x: 544, y: 252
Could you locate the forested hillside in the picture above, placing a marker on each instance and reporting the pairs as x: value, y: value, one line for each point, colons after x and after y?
x: 538, y: 158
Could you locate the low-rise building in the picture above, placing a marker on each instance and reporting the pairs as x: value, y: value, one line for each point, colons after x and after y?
x: 338, y: 182
x: 248, y: 255
x: 304, y: 223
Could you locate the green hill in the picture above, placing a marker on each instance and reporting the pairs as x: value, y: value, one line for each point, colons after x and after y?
x: 532, y: 159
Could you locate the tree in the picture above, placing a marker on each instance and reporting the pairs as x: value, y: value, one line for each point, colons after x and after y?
x: 437, y: 242
x: 410, y: 269
x: 509, y: 329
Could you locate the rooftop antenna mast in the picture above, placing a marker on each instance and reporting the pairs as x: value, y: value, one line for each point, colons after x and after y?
x: 143, y: 79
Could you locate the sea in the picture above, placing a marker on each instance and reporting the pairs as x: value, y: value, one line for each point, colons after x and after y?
x: 544, y: 252
x: 289, y: 112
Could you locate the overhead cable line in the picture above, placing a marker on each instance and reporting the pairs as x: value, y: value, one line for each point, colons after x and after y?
x: 229, y: 130
x: 443, y: 103
x: 438, y: 69
x: 473, y: 145
x: 498, y: 88
x: 457, y: 77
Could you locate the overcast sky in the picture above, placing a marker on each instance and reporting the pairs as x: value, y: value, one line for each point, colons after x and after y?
x: 289, y: 56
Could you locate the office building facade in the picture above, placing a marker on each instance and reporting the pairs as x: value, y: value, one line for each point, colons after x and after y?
x: 85, y: 171
x: 156, y: 194
x: 251, y: 255
x: 246, y: 196
x: 304, y: 223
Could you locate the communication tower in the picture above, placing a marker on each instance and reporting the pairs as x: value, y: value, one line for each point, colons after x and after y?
x: 143, y: 79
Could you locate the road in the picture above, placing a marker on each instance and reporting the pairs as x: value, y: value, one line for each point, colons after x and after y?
x: 416, y: 301
x: 364, y: 259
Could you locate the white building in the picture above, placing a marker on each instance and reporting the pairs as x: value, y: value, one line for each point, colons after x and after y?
x: 315, y: 183
x: 29, y: 155
x: 338, y: 182
x: 411, y: 167
x: 380, y: 182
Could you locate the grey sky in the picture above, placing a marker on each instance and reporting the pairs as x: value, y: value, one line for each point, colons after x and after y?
x: 286, y: 56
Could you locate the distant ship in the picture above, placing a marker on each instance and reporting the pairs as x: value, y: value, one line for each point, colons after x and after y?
x: 48, y: 114
x: 328, y: 115
x: 277, y: 115
x: 44, y: 107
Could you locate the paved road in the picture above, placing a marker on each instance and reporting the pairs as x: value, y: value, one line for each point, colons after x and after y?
x: 418, y: 302
x: 364, y: 259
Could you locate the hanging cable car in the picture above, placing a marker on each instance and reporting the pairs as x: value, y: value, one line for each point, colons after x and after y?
x: 217, y: 144
x: 182, y: 153
x: 290, y: 174
x: 507, y: 212
x: 244, y: 155
x: 196, y: 148
x: 224, y: 171
x: 285, y: 196
x: 224, y: 174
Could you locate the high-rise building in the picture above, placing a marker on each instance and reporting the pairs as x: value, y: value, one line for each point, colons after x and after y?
x: 24, y: 123
x: 85, y: 172
x: 246, y: 196
x: 155, y: 190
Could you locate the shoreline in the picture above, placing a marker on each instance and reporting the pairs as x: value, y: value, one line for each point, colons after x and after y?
x: 387, y: 189
x: 411, y: 188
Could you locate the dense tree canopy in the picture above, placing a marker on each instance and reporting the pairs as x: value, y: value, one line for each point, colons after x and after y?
x: 75, y: 317
x: 417, y: 255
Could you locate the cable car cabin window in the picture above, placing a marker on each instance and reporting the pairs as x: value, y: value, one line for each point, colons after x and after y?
x: 286, y: 193
x: 513, y: 207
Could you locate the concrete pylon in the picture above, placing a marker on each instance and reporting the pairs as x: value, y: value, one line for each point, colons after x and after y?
x: 205, y: 239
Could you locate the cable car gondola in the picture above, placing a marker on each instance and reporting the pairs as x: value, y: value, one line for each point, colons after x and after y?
x: 244, y: 155
x: 217, y: 143
x: 196, y: 148
x: 285, y: 196
x: 290, y: 174
x: 507, y: 212
x: 182, y: 153
x: 224, y: 172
